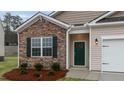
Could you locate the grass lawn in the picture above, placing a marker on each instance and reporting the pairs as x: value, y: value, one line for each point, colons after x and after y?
x: 8, y: 64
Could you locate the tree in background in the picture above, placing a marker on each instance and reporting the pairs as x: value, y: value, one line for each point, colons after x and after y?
x: 16, y: 21
x: 10, y: 23
x: 7, y: 22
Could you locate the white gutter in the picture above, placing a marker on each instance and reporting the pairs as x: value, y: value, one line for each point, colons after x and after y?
x: 90, y: 48
x: 107, y: 24
x: 67, y: 47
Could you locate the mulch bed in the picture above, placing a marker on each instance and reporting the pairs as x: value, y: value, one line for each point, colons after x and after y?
x: 15, y: 75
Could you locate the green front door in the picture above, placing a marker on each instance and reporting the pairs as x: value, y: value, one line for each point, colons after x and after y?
x: 79, y: 53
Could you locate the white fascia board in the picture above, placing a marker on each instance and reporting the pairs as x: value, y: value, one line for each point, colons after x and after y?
x: 103, y: 16
x: 50, y: 19
x: 79, y: 31
x: 107, y: 24
x: 53, y: 13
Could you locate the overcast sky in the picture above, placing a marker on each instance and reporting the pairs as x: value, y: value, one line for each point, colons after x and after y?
x: 24, y: 14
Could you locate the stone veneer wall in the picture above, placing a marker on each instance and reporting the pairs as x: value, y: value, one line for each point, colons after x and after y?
x: 39, y: 29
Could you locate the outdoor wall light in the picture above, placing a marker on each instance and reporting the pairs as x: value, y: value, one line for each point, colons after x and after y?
x: 96, y: 41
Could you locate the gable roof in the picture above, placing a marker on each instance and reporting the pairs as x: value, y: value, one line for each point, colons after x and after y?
x: 39, y: 15
x: 109, y: 13
x: 77, y: 17
x: 54, y: 13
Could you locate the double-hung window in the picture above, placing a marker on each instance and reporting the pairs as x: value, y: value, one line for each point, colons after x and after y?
x: 47, y: 46
x: 42, y: 46
x: 36, y: 46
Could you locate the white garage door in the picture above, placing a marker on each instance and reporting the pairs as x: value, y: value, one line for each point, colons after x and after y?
x: 113, y: 55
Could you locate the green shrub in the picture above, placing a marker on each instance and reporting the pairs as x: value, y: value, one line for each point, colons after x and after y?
x: 38, y: 66
x: 55, y: 66
x: 23, y: 68
x: 51, y: 72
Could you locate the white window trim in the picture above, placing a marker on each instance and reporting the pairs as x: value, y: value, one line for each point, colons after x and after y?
x: 41, y: 38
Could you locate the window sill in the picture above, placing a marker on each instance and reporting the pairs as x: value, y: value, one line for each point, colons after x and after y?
x: 41, y: 57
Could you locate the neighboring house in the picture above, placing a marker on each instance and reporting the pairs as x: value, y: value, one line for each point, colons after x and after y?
x: 83, y: 39
x: 1, y: 42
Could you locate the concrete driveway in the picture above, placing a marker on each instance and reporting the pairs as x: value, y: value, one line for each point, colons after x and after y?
x: 94, y: 75
x: 110, y: 76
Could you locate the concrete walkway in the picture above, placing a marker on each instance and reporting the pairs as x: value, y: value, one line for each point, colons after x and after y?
x: 94, y: 75
x: 83, y: 74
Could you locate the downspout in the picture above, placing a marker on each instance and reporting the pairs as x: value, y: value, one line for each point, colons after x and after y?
x: 67, y: 47
x: 89, y: 26
x: 18, y: 50
x: 90, y: 48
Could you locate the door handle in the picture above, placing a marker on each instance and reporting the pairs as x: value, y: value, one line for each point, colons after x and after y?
x: 105, y: 63
x: 105, y: 46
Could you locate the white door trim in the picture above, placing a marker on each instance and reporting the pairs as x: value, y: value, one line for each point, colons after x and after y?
x: 74, y: 53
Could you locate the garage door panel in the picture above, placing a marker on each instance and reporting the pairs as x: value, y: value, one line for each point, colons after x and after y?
x: 113, y: 55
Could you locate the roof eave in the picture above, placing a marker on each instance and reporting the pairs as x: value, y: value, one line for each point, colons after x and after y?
x: 103, y: 16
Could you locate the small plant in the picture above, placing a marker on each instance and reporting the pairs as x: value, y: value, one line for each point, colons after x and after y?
x: 51, y: 72
x: 55, y: 66
x: 38, y: 66
x: 23, y: 68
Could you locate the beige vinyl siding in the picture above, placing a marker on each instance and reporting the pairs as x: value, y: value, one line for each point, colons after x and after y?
x: 96, y: 50
x: 78, y: 17
x: 79, y: 37
x: 1, y: 40
x: 118, y: 14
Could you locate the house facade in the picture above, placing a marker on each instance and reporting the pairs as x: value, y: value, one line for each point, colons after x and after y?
x: 76, y: 39
x: 1, y: 42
